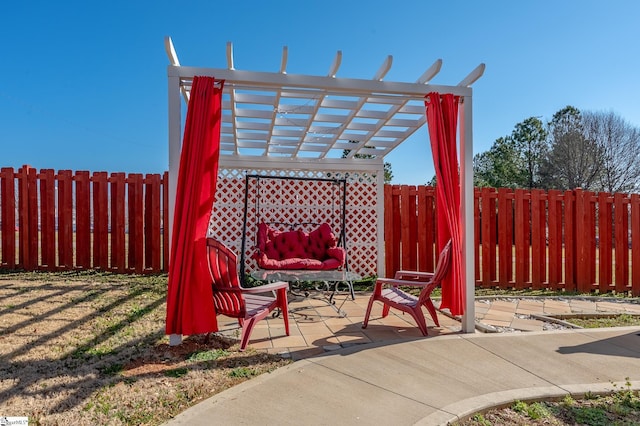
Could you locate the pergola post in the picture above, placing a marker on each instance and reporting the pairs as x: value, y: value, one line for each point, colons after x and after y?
x: 466, y: 215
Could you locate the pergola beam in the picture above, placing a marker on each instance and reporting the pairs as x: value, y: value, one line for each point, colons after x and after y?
x: 336, y: 64
x: 431, y: 72
x: 473, y: 76
x: 384, y: 68
x: 337, y: 85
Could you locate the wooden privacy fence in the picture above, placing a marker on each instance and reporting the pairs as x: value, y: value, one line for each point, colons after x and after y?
x: 65, y: 221
x: 573, y: 240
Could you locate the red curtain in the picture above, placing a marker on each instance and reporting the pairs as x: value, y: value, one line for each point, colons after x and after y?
x: 190, y: 308
x: 442, y: 119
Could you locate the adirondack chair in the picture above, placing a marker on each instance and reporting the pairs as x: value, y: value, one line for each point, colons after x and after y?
x: 248, y: 305
x: 387, y: 291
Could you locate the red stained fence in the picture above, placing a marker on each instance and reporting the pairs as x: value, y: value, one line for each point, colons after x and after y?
x: 573, y: 240
x: 69, y: 221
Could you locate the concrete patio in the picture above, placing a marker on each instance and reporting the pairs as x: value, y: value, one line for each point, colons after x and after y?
x: 429, y: 381
x: 316, y: 327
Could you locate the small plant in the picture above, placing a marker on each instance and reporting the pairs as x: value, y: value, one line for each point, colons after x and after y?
x: 535, y: 411
x: 481, y: 420
x: 594, y: 416
x: 538, y: 410
x: 519, y: 407
x: 568, y: 401
x: 242, y: 372
x: 207, y: 355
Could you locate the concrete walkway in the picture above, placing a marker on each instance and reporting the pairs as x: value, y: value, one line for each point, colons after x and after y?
x: 434, y: 380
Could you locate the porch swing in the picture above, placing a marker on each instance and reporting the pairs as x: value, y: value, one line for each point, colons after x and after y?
x: 287, y: 241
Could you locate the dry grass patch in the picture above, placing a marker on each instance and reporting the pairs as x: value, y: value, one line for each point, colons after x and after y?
x: 89, y: 348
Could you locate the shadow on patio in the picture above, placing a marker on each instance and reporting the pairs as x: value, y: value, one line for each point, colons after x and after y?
x: 316, y: 327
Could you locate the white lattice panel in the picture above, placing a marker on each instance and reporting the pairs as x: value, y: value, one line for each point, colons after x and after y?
x: 305, y: 203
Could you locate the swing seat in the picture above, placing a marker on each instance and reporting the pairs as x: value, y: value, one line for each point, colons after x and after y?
x: 317, y: 250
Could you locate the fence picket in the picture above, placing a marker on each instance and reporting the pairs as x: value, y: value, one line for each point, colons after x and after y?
x: 83, y: 219
x: 555, y: 242
x: 100, y: 185
x: 117, y: 197
x: 505, y: 237
x: 135, y: 223
x: 604, y: 241
x: 152, y: 230
x: 48, y: 219
x: 621, y: 233
x: 635, y: 245
x: 8, y: 222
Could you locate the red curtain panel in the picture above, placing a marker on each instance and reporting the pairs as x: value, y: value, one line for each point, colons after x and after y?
x: 190, y: 307
x: 442, y: 119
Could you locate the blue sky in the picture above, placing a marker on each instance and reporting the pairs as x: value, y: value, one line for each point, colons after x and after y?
x: 83, y: 84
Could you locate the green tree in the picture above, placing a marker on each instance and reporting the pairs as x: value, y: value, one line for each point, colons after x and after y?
x: 514, y: 161
x: 500, y: 167
x: 529, y: 138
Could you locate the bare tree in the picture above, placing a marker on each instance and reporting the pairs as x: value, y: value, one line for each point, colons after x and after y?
x: 573, y: 161
x: 619, y: 143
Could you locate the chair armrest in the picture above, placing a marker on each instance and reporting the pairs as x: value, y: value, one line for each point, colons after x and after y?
x: 267, y: 287
x: 395, y: 282
x: 413, y: 275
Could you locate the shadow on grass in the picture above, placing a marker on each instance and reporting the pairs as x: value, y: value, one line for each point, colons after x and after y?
x: 68, y: 340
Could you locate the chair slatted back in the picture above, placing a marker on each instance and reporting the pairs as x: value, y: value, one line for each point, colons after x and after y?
x: 224, y: 280
x: 442, y: 267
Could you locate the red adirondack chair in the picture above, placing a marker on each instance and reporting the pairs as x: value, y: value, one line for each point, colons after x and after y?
x: 386, y: 291
x: 249, y: 305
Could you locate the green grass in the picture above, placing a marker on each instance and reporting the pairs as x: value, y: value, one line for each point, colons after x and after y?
x: 621, y: 320
x: 621, y: 407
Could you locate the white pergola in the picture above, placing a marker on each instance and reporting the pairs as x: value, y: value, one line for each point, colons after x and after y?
x: 276, y: 120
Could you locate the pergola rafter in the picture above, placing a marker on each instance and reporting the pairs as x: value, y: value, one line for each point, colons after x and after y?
x: 288, y: 121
